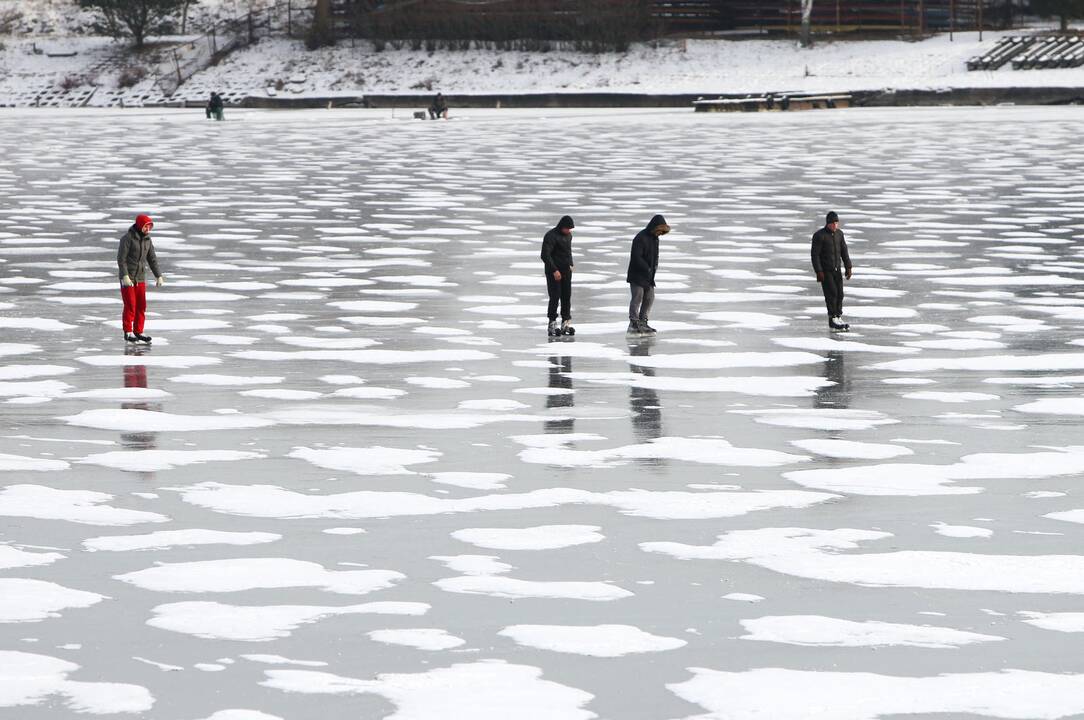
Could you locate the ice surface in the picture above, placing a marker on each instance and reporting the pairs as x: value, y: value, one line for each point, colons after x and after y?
x: 352, y: 443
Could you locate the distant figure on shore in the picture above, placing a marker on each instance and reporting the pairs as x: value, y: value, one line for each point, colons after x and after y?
x: 215, y: 107
x: 439, y: 108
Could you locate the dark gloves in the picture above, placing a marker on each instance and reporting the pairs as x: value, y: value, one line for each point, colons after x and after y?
x: 820, y: 277
x: 848, y: 273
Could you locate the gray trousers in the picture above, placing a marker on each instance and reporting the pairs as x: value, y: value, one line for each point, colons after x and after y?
x: 642, y: 300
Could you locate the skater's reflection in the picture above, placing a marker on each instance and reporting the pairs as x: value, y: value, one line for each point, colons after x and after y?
x: 562, y: 397
x: 135, y: 376
x: 644, y: 401
x: 837, y: 395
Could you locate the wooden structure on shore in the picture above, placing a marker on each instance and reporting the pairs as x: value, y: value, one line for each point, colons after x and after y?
x: 773, y: 103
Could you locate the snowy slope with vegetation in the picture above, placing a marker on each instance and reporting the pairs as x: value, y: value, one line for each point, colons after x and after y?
x: 104, y: 72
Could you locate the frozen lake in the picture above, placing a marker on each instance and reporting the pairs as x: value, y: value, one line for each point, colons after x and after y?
x: 352, y: 479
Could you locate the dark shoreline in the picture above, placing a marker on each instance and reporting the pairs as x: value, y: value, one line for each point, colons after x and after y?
x: 861, y: 98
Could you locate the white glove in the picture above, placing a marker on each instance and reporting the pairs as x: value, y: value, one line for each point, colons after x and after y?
x: 160, y: 281
x: 127, y: 281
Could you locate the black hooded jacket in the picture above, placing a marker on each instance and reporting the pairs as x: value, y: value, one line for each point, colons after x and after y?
x: 557, y: 251
x: 644, y: 258
x: 828, y: 251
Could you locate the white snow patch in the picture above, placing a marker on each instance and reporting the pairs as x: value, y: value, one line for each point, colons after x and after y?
x: 260, y: 623
x: 162, y: 539
x: 543, y: 537
x: 492, y: 690
x: 238, y: 574
x: 820, y: 631
x: 30, y: 679
x: 606, y: 641
x: 23, y: 600
x: 422, y: 638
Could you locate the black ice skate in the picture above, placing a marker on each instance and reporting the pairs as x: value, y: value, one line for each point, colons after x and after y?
x: 836, y: 325
x: 566, y: 328
x: 554, y: 329
x: 145, y: 339
x: 131, y: 337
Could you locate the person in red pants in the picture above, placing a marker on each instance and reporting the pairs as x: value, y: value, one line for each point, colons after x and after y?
x: 136, y: 252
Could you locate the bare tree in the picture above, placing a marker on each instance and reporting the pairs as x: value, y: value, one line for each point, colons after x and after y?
x: 807, y: 21
x: 1063, y: 9
x: 140, y: 17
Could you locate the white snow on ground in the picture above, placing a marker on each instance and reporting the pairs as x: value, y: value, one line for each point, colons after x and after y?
x: 515, y: 589
x: 544, y: 537
x: 11, y: 557
x: 816, y: 630
x: 366, y: 461
x: 917, y: 479
x: 961, y: 531
x: 606, y: 641
x: 1069, y: 622
x: 29, y: 679
x: 491, y: 690
x: 237, y: 574
x: 816, y: 554
x: 274, y: 502
x: 693, y: 66
x: 260, y: 623
x: 18, y: 463
x: 159, y: 460
x: 172, y: 538
x: 422, y: 638
x: 80, y: 506
x: 1012, y: 694
x: 24, y: 600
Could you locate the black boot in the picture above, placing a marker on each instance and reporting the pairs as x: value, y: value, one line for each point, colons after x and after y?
x: 554, y: 330
x: 131, y: 337
x: 145, y: 339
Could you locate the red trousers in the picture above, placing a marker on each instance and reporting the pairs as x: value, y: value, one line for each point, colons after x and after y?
x: 135, y: 307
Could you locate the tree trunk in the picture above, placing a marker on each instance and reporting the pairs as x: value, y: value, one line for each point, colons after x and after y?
x: 807, y: 19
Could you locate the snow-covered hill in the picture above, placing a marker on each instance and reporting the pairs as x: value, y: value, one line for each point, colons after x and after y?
x: 106, y: 73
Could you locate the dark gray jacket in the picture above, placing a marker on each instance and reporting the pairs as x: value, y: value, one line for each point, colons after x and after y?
x: 135, y: 253
x: 644, y: 258
x: 829, y: 251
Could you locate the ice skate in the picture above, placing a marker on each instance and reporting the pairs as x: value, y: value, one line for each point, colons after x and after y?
x: 554, y: 330
x: 567, y: 329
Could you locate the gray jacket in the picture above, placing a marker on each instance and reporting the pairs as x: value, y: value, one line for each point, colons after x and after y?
x: 135, y: 253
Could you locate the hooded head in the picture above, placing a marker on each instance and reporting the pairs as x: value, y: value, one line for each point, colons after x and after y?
x: 144, y: 223
x: 658, y: 225
x: 565, y: 223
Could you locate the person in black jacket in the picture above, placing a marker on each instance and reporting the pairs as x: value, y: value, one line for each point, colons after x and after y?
x: 830, y: 259
x: 643, y: 262
x: 557, y: 257
x: 439, y: 108
x: 135, y: 253
x: 215, y: 107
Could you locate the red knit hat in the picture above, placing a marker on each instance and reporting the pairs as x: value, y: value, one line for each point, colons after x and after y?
x: 143, y: 221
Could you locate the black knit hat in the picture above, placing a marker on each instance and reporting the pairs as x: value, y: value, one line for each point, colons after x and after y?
x: 565, y: 223
x: 832, y: 218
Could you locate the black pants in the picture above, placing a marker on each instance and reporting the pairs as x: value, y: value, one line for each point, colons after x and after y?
x: 832, y: 285
x: 560, y: 290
